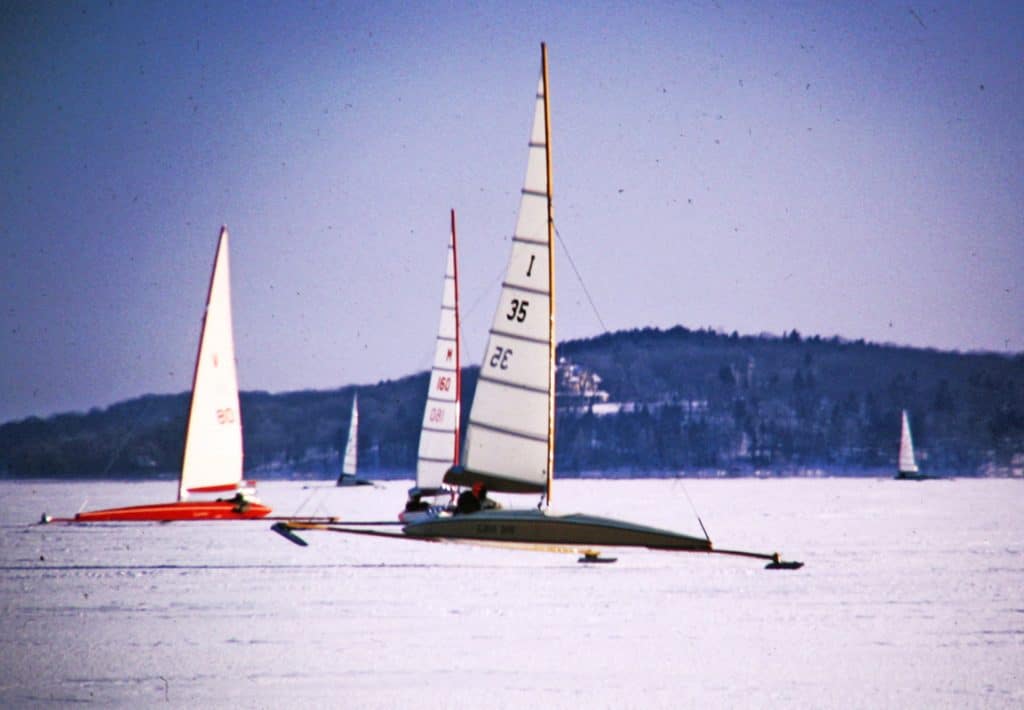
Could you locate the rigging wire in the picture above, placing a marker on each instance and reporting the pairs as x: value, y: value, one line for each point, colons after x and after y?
x: 579, y: 278
x: 679, y: 480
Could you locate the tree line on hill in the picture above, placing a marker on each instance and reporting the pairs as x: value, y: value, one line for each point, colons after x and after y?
x: 675, y: 401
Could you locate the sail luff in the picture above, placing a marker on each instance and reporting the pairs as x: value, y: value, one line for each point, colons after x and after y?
x: 907, y: 463
x: 213, y: 439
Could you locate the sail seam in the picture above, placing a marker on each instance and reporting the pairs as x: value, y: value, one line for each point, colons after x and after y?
x: 510, y: 432
x: 528, y: 240
x: 513, y: 385
x: 523, y: 338
x: 525, y: 289
x: 433, y: 460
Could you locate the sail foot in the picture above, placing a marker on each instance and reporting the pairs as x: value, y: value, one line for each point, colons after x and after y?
x: 462, y: 476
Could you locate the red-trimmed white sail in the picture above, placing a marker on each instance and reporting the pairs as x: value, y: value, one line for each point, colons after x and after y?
x: 213, y: 442
x: 907, y: 464
x: 508, y: 436
x: 439, y: 435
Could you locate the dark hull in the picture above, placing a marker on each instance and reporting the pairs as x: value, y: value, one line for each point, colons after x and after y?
x: 182, y: 510
x: 345, y: 480
x: 914, y: 477
x: 534, y: 527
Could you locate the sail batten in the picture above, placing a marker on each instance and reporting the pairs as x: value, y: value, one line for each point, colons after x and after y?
x: 508, y: 437
x: 510, y: 432
x: 213, y: 441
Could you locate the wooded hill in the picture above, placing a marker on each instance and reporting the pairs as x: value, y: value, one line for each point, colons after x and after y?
x: 665, y: 402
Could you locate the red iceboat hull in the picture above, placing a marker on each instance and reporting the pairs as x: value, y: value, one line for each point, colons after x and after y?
x: 182, y: 510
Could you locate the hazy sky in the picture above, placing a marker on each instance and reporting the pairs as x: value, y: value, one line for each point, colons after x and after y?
x: 854, y: 170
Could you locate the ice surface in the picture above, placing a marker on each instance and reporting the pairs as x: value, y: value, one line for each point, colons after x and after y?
x: 913, y: 596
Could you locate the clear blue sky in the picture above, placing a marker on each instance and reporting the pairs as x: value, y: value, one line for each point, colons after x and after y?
x: 854, y: 170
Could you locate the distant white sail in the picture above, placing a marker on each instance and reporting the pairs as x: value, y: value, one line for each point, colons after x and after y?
x: 348, y: 465
x: 907, y: 464
x: 508, y: 433
x: 213, y: 442
x: 439, y: 435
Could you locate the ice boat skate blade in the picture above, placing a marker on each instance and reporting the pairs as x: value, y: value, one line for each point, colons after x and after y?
x: 285, y: 531
x: 592, y: 557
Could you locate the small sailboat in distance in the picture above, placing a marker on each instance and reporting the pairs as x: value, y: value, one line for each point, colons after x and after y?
x: 212, y: 461
x: 906, y: 467
x: 347, y: 477
x: 439, y: 434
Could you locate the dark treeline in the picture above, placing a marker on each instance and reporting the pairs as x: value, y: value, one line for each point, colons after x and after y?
x: 677, y: 400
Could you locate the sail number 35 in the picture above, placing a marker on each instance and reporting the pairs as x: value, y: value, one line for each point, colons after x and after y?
x: 500, y: 357
x: 518, y: 312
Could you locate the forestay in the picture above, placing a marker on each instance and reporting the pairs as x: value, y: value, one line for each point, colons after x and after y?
x: 508, y: 434
x: 439, y: 435
x: 213, y: 442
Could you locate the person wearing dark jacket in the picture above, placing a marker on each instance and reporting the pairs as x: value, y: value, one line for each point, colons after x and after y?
x: 474, y: 499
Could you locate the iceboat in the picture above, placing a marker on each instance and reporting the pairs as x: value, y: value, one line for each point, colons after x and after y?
x: 906, y: 465
x: 438, y: 449
x: 429, y: 498
x: 510, y: 433
x: 348, y: 476
x: 212, y: 463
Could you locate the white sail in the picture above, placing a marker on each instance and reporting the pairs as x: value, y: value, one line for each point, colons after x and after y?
x: 907, y: 464
x: 508, y: 433
x: 439, y: 435
x: 213, y: 442
x: 348, y: 465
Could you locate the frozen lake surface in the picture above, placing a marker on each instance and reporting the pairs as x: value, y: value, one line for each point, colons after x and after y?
x: 912, y: 596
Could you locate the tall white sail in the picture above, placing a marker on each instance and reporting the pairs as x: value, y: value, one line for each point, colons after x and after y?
x: 439, y: 435
x: 508, y: 436
x: 348, y: 465
x: 907, y: 464
x: 213, y: 442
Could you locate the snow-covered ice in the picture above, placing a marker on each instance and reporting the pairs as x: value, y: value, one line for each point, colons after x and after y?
x: 912, y: 596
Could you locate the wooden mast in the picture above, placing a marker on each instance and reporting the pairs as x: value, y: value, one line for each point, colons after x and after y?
x: 551, y: 278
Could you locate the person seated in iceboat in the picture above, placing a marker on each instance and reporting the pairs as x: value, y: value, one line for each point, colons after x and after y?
x: 240, y: 501
x: 416, y: 504
x: 474, y: 500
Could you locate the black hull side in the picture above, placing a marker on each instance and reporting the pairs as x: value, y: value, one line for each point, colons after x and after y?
x: 529, y: 527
